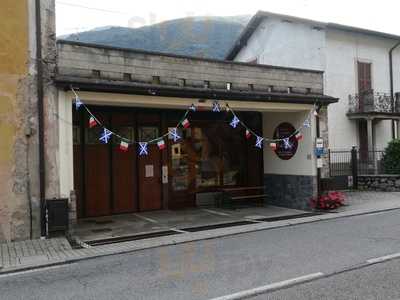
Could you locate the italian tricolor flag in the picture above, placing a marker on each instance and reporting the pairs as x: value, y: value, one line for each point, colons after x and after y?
x: 186, y: 123
x: 124, y: 146
x: 92, y: 122
x: 161, y: 145
x: 248, y: 134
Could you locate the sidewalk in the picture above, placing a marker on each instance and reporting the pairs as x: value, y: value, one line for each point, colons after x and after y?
x: 34, y: 254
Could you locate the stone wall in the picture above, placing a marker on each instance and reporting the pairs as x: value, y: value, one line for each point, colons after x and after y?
x: 386, y: 183
x: 16, y: 84
x: 290, y: 190
x: 19, y: 148
x: 82, y: 61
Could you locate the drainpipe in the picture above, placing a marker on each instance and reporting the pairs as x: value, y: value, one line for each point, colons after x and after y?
x: 40, y: 95
x: 391, y: 85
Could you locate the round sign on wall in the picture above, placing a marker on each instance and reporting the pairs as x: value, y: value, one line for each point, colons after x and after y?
x: 284, y: 150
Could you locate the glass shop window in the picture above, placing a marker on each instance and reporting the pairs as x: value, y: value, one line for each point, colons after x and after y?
x: 148, y: 133
x: 92, y: 135
x: 127, y: 132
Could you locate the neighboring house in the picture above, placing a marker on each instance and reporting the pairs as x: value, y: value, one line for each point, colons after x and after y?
x: 356, y: 65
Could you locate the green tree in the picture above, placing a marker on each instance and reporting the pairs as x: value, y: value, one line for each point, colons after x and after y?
x: 391, y: 158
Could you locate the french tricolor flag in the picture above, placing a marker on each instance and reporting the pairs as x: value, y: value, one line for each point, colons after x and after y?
x: 248, y: 134
x: 92, y: 122
x: 161, y: 145
x: 186, y: 123
x: 124, y: 146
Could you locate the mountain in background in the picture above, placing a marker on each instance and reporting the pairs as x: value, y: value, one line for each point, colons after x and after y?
x: 209, y: 37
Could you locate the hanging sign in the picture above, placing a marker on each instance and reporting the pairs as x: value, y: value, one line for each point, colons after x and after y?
x: 319, y: 147
x: 149, y: 171
x: 286, y: 148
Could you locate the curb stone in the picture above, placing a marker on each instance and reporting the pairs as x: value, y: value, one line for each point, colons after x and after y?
x: 129, y: 247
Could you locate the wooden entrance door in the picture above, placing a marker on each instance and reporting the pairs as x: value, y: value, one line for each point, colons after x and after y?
x: 364, y: 82
x: 97, y: 170
x: 149, y: 171
x: 124, y: 181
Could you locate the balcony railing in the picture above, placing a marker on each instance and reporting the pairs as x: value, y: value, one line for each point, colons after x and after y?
x: 372, y: 102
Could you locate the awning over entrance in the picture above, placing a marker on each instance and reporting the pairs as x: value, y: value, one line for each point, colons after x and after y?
x: 153, y: 101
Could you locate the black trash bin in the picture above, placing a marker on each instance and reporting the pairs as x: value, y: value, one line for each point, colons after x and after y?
x: 56, y: 216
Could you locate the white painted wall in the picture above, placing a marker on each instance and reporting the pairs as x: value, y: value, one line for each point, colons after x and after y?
x: 344, y: 49
x: 281, y: 43
x: 304, y: 161
x: 299, y: 44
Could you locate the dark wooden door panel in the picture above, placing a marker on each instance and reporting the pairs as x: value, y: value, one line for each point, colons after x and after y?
x: 97, y: 171
x: 124, y: 166
x: 150, y: 196
x: 97, y: 181
x: 364, y: 82
x: 364, y: 77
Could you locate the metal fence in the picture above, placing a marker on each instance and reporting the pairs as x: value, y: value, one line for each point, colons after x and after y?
x: 367, y: 162
x: 339, y: 162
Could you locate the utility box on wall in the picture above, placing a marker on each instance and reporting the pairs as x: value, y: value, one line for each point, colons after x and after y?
x: 56, y: 216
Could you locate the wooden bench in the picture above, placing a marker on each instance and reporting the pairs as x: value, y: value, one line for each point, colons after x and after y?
x: 231, y: 196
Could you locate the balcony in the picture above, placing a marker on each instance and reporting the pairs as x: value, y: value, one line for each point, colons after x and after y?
x: 373, y: 104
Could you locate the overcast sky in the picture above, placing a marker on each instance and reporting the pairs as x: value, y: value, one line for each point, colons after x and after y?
x: 80, y: 15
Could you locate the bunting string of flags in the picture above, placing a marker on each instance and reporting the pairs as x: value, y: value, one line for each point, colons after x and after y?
x: 173, y: 133
x: 216, y: 107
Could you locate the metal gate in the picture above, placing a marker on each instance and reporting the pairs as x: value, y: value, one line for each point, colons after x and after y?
x: 342, y: 170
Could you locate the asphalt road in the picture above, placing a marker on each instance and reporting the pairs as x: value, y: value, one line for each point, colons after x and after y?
x: 380, y: 281
x: 213, y: 268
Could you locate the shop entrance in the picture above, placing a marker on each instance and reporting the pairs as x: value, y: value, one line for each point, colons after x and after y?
x: 210, y: 155
x: 107, y: 180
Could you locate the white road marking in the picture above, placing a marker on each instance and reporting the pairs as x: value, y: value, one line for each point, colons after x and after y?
x: 383, y: 258
x: 35, y: 270
x: 145, y: 218
x: 270, y: 287
x: 215, y: 212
